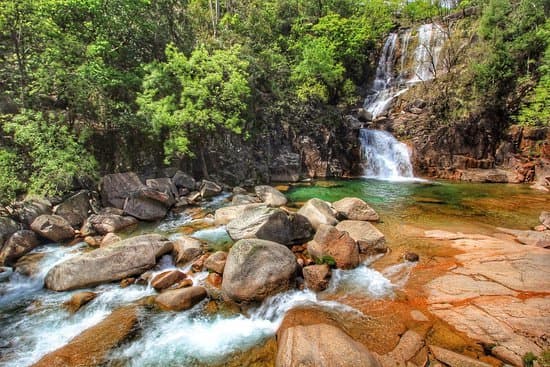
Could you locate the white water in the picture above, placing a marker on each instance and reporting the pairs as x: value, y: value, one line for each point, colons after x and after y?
x: 383, y: 156
x: 431, y: 39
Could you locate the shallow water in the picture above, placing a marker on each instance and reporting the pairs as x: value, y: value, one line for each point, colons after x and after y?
x: 34, y: 318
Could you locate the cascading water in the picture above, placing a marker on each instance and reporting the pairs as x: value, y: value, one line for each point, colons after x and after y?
x: 383, y: 156
x: 431, y: 39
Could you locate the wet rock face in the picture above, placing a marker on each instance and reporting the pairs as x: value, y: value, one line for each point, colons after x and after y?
x: 317, y: 277
x: 78, y: 300
x: 130, y: 257
x: 91, y: 348
x: 330, y: 242
x: 256, y: 269
x: 321, y: 345
x: 167, y: 279
x: 180, y: 299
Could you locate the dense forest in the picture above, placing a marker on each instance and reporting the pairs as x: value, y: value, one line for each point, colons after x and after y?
x: 81, y: 76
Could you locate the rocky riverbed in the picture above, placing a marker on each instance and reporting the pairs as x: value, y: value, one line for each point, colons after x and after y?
x: 247, y: 277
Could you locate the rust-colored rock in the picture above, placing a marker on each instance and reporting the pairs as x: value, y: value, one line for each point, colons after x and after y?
x: 329, y: 241
x: 78, y: 300
x: 91, y: 348
x: 180, y: 299
x: 109, y: 239
x: 216, y: 262
x: 166, y: 279
x: 317, y: 277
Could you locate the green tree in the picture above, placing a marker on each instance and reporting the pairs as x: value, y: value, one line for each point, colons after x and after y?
x: 194, y: 97
x: 9, y: 181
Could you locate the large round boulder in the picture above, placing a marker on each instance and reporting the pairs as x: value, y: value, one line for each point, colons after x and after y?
x: 321, y: 345
x: 271, y: 224
x: 355, y: 209
x: 75, y: 209
x: 318, y: 212
x: 256, y: 269
x: 116, y: 187
x: 53, y: 227
x: 330, y: 242
x: 124, y: 259
x: 20, y: 243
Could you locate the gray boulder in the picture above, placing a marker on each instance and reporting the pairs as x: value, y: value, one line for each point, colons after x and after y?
x: 355, y: 209
x: 226, y: 214
x: 27, y: 211
x: 184, y: 181
x: 370, y: 240
x: 148, y: 204
x: 75, y: 209
x: 53, y: 227
x: 270, y: 195
x: 127, y: 258
x: 20, y: 243
x: 318, y: 212
x: 117, y: 187
x: 241, y: 199
x: 164, y: 185
x: 7, y: 227
x: 209, y: 189
x: 256, y: 269
x: 272, y: 224
x: 106, y: 223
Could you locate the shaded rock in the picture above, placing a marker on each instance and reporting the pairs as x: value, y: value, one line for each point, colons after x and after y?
x: 93, y: 241
x: 228, y: 213
x: 19, y: 243
x: 545, y: 219
x: 28, y: 210
x: 180, y: 299
x: 130, y: 257
x: 270, y: 195
x: 148, y: 204
x: 5, y: 273
x: 183, y: 180
x: 318, y: 212
x: 106, y: 223
x: 355, y: 209
x: 301, y: 229
x: 317, y: 277
x: 109, y: 239
x: 329, y: 241
x: 126, y: 282
x: 209, y: 189
x: 455, y: 359
x: 7, y: 227
x: 29, y: 264
x: 241, y: 199
x: 182, y: 284
x: 411, y: 256
x: 286, y: 167
x: 167, y: 279
x: 198, y: 264
x: 488, y: 175
x: 321, y: 345
x: 53, y: 227
x: 164, y: 185
x: 216, y: 262
x: 116, y: 187
x: 78, y: 300
x: 75, y: 209
x: 92, y: 347
x: 186, y: 249
x: 194, y: 197
x: 256, y: 269
x: 363, y: 115
x: 370, y: 240
x: 261, y: 222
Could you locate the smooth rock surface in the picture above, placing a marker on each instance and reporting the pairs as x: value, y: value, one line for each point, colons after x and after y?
x: 117, y: 187
x: 216, y: 262
x: 132, y: 256
x: 180, y: 299
x: 270, y: 195
x: 53, y: 227
x: 75, y: 209
x: 186, y: 249
x: 370, y: 240
x: 355, y: 209
x: 209, y: 189
x: 226, y: 214
x: 321, y: 345
x: 106, y: 223
x: 78, y: 300
x: 256, y: 269
x: 265, y: 223
x: 318, y: 212
x: 329, y: 241
x: 167, y: 279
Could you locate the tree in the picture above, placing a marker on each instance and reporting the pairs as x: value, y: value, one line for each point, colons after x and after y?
x: 190, y: 98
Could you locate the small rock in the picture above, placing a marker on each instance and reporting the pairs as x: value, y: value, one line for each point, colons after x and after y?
x: 183, y: 181
x: 215, y: 279
x: 198, y: 264
x: 194, y: 197
x: 186, y: 249
x: 166, y: 279
x: 240, y: 199
x: 93, y: 241
x: 237, y: 190
x: 270, y: 196
x: 539, y: 228
x: 125, y: 283
x: 226, y: 214
x: 53, y: 227
x: 317, y: 277
x: 329, y: 241
x: 78, y: 300
x: 216, y: 262
x: 411, y: 256
x: 188, y: 282
x: 106, y: 222
x: 370, y: 240
x: 209, y: 189
x: 180, y: 299
x: 75, y: 209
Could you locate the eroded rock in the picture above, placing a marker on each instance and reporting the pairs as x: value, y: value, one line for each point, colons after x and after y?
x: 329, y: 241
x: 317, y: 277
x: 19, y: 243
x: 318, y: 212
x: 370, y: 240
x: 355, y: 209
x: 53, y: 227
x: 270, y: 195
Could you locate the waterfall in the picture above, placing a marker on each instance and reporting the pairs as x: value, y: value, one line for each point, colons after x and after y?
x: 431, y: 39
x: 383, y: 156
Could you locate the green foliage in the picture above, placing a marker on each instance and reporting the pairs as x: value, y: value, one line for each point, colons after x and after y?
x: 326, y: 259
x: 195, y: 96
x: 529, y: 359
x: 54, y: 156
x: 9, y: 182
